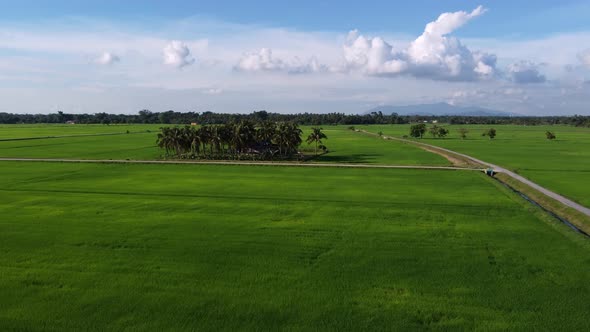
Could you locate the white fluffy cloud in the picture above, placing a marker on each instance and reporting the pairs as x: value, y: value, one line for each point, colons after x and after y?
x: 433, y: 54
x: 261, y: 61
x: 177, y: 54
x: 58, y: 56
x: 107, y: 58
x: 264, y: 60
x: 584, y: 57
x: 525, y: 72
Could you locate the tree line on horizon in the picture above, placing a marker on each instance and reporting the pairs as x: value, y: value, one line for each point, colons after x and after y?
x: 204, y: 118
x: 246, y: 139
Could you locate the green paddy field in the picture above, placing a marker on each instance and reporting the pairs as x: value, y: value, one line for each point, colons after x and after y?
x: 52, y: 130
x: 113, y: 142
x: 562, y: 165
x: 201, y: 247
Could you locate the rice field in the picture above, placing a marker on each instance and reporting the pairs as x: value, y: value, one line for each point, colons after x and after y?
x: 209, y: 247
x: 562, y: 165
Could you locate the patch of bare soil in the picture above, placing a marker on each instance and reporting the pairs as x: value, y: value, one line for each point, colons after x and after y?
x: 454, y: 160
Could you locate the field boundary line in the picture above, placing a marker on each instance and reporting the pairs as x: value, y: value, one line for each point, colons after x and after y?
x: 238, y: 163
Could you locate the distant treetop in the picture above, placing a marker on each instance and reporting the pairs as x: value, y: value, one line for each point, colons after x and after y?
x: 315, y: 119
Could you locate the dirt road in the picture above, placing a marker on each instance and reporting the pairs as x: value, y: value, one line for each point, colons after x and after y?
x: 500, y: 169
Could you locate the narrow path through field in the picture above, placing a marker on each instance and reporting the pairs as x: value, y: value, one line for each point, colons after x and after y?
x: 499, y: 169
x: 244, y: 163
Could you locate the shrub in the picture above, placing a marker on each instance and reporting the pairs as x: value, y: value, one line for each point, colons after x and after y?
x: 491, y: 133
x: 418, y: 130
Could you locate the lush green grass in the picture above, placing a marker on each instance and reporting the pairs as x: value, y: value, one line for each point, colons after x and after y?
x: 102, y: 142
x: 562, y: 165
x: 44, y: 130
x: 349, y: 147
x: 124, y: 146
x: 345, y: 146
x: 182, y: 247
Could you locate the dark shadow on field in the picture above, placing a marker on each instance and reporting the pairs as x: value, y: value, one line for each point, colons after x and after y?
x: 554, y: 170
x: 39, y: 145
x: 68, y: 136
x: 469, y: 209
x: 352, y: 158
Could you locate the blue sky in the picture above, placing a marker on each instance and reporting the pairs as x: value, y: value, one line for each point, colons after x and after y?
x: 531, y: 57
x: 506, y: 18
x: 301, y: 14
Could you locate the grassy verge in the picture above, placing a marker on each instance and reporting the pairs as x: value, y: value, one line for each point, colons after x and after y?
x: 577, y: 218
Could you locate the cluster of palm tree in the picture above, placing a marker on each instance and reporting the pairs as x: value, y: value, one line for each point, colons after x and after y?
x: 243, y: 140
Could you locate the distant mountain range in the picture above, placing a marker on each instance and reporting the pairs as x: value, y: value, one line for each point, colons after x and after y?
x: 438, y: 109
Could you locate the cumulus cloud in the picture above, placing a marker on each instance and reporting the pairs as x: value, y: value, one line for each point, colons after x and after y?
x: 177, y: 54
x: 433, y: 54
x: 525, y: 72
x: 261, y: 61
x: 107, y: 58
x: 584, y: 57
x: 264, y: 60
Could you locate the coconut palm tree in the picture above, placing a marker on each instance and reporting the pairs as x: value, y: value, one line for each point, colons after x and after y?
x: 266, y: 131
x: 316, y: 137
x: 244, y: 135
x: 176, y: 139
x: 294, y: 137
x: 288, y: 138
x: 227, y: 136
x: 215, y: 139
x: 265, y: 134
x: 193, y: 141
x: 164, y: 140
x: 204, y: 134
x: 281, y: 139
